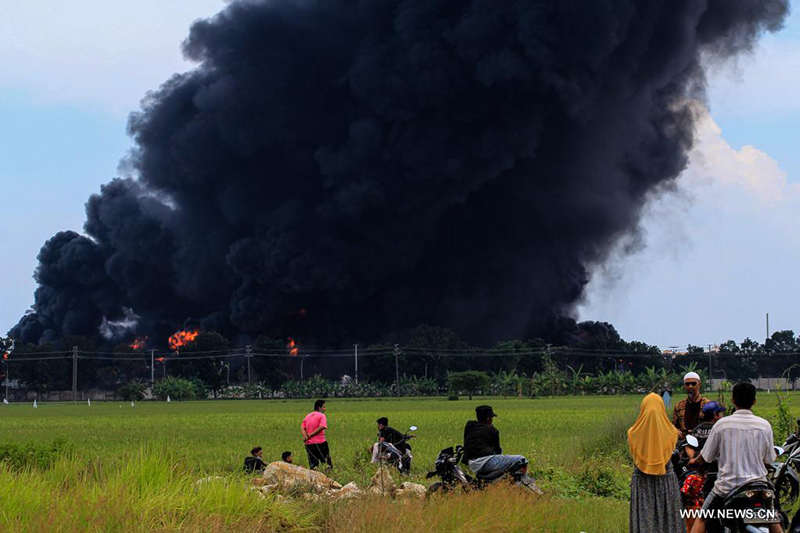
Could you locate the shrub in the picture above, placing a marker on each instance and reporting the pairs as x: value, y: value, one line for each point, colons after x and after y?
x: 600, y: 481
x: 132, y: 391
x: 177, y: 389
x: 32, y: 455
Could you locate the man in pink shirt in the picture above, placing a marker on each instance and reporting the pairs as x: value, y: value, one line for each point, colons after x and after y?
x: 313, y: 428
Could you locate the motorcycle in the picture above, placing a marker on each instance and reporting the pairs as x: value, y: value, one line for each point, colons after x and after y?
x: 784, y: 475
x: 750, y: 508
x: 680, y: 459
x: 451, y: 477
x: 388, y: 453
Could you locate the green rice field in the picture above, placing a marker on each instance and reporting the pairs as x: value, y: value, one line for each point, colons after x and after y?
x: 123, y: 468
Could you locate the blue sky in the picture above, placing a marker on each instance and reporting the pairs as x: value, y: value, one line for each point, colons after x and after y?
x: 715, y: 256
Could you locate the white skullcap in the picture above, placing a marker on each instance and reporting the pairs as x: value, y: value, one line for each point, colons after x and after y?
x: 691, y: 375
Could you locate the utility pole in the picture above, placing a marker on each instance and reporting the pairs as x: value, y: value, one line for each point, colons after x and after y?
x: 302, y: 360
x: 397, y: 368
x: 248, y: 355
x: 356, y: 374
x: 710, y: 372
x: 8, y: 376
x: 75, y: 374
x: 767, y: 326
x: 152, y: 368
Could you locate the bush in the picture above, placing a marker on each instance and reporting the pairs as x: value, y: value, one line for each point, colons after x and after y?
x: 133, y: 391
x: 33, y: 455
x: 177, y: 389
x: 600, y: 481
x: 470, y: 381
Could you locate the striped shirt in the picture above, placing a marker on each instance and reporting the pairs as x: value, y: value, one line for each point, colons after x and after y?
x: 741, y: 444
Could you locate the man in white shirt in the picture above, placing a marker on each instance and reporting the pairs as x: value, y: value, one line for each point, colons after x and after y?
x: 742, y: 445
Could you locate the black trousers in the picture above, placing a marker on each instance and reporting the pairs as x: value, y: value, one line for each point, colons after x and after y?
x: 318, y: 453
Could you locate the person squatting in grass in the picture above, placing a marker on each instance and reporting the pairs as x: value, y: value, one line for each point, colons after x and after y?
x: 255, y: 462
x: 313, y: 429
x: 286, y: 457
x: 655, y: 498
x: 742, y: 445
x: 692, y: 488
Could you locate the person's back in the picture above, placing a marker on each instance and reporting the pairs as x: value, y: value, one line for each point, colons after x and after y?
x: 480, y: 439
x: 392, y: 436
x: 483, y: 454
x: 741, y: 444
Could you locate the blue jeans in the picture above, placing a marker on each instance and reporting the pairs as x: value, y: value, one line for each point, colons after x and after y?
x: 494, y: 466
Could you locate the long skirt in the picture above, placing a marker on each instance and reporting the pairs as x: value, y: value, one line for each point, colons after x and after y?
x: 655, y: 503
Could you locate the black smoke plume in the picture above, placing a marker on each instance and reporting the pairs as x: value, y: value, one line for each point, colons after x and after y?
x: 346, y: 170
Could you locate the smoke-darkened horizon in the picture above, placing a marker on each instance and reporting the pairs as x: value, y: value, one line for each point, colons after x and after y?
x: 348, y: 170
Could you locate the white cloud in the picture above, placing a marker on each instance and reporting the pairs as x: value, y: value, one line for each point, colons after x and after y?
x: 719, y: 254
x: 714, y: 163
x: 93, y: 53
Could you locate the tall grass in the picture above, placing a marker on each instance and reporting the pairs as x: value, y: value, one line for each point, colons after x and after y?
x: 150, y: 489
x: 136, y: 468
x: 500, y: 508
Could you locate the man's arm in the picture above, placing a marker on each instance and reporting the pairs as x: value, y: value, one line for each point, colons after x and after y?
x: 315, y: 432
x: 496, y: 444
x: 769, y: 453
x: 676, y: 420
x: 323, y: 425
x: 697, y: 461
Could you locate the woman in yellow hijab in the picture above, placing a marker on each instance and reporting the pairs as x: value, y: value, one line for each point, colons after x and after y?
x: 655, y: 497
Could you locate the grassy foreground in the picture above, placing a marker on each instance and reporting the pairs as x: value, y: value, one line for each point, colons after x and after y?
x: 137, y: 468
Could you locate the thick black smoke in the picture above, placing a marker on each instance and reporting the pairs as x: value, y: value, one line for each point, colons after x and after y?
x: 349, y: 169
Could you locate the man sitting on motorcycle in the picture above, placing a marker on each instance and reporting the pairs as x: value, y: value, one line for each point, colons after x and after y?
x: 482, y: 450
x: 388, y: 434
x: 742, y: 444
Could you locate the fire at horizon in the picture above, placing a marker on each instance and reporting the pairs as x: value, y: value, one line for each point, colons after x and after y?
x: 139, y: 343
x: 293, y: 349
x: 182, y: 338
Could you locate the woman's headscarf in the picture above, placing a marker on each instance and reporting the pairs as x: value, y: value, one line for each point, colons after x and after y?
x: 652, y: 438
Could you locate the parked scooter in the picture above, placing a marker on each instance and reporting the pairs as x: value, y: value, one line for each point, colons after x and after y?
x: 388, y: 453
x: 784, y: 474
x: 451, y: 476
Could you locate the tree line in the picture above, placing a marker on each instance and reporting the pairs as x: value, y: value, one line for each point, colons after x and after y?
x: 590, y: 363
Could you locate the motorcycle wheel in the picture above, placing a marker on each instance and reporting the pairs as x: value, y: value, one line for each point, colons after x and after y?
x: 787, y: 491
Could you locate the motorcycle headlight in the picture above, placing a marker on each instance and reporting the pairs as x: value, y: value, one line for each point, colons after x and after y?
x: 750, y: 494
x: 768, y: 494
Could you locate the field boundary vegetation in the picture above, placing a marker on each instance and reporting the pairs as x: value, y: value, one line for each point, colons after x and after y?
x: 433, y: 361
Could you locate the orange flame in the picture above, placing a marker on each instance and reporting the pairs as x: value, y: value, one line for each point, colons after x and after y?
x: 292, y: 348
x: 160, y: 359
x: 139, y: 343
x: 182, y: 338
x: 5, y: 356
